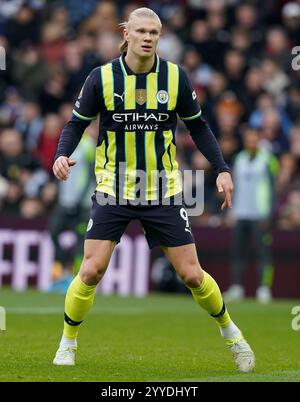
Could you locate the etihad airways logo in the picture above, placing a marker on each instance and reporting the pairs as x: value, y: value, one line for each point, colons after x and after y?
x: 140, y: 121
x: 140, y: 117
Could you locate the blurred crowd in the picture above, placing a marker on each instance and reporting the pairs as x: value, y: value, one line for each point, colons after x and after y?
x: 238, y: 55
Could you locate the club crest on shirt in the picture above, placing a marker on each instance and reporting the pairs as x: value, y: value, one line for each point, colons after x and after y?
x: 140, y: 96
x: 162, y: 96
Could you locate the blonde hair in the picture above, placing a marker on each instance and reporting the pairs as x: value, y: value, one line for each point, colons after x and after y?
x: 142, y: 12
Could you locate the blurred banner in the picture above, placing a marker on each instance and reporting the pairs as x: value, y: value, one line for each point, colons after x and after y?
x: 26, y: 257
x: 27, y: 252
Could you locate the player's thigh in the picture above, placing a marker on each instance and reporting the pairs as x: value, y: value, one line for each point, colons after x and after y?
x: 185, y: 261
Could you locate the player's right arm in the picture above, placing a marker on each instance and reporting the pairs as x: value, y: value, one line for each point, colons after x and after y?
x: 86, y: 109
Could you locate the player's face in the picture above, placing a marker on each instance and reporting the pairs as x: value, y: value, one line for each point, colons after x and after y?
x: 142, y: 36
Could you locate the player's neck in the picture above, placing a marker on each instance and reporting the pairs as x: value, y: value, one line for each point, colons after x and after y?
x: 138, y: 65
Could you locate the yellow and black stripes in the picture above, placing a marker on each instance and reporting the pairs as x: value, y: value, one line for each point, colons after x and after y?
x: 171, y: 165
x: 110, y: 164
x: 131, y: 165
x: 151, y: 90
x: 129, y: 92
x: 107, y: 84
x: 151, y: 166
x: 133, y: 129
x: 105, y: 166
x: 173, y: 85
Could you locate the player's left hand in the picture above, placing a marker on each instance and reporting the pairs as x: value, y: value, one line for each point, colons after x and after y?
x: 225, y: 185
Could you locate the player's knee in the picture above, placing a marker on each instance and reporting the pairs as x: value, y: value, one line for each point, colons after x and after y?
x: 193, y: 277
x: 192, y: 281
x: 92, y: 270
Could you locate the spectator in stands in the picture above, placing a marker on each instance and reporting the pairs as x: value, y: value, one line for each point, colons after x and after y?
x: 54, y: 91
x: 278, y: 48
x: 266, y: 101
x: 11, y: 109
x: 272, y: 134
x: 228, y: 114
x: 253, y: 88
x: 29, y: 125
x: 247, y: 17
x: 12, y: 154
x: 235, y: 68
x: 48, y: 140
x: 275, y: 79
x: 107, y: 46
x: 20, y: 170
x: 289, y: 217
x: 200, y: 73
x: 170, y: 46
x: 75, y: 68
x: 287, y: 173
x: 31, y: 208
x: 291, y: 21
x: 293, y: 103
x: 22, y: 27
x: 30, y: 72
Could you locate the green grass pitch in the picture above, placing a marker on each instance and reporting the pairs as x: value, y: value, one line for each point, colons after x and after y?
x: 158, y: 338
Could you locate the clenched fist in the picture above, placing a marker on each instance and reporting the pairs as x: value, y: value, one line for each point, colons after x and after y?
x: 61, y: 167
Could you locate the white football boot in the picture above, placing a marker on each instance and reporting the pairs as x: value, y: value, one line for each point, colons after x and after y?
x: 65, y: 356
x: 242, y: 354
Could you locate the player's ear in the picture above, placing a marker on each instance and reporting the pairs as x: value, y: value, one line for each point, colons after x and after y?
x: 126, y: 33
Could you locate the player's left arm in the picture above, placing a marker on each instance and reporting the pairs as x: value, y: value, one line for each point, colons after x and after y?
x: 189, y: 110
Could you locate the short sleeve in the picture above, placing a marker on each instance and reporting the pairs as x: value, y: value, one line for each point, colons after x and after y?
x: 188, y: 107
x: 88, y: 103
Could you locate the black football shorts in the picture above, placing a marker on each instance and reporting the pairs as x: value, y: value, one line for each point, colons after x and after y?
x: 164, y: 225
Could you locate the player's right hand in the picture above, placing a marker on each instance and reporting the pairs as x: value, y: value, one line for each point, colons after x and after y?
x: 61, y: 167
